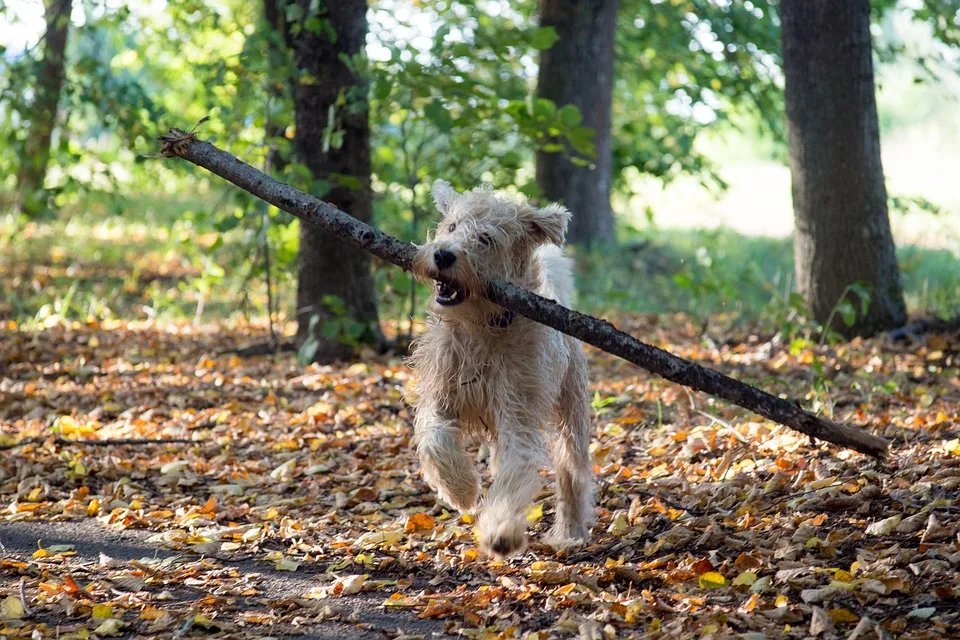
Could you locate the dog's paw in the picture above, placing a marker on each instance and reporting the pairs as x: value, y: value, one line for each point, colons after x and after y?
x: 502, y: 539
x: 567, y: 535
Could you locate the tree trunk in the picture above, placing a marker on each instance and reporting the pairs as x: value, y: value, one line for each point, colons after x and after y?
x: 330, y: 273
x: 578, y: 70
x: 43, y: 117
x: 842, y: 232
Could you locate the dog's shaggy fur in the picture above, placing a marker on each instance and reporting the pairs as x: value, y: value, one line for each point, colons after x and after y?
x: 508, y: 381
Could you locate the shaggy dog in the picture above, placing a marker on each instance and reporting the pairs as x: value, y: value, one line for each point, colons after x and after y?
x: 483, y: 373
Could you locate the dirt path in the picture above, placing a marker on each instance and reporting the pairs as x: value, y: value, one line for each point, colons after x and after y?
x: 358, y: 616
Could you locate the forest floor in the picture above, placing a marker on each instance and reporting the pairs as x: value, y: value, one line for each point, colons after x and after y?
x: 295, y: 506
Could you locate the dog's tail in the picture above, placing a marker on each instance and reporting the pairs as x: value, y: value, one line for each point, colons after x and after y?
x: 558, y: 274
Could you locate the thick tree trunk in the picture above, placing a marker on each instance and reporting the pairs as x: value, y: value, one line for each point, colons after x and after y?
x: 842, y: 232
x: 43, y: 117
x: 578, y: 70
x: 327, y: 267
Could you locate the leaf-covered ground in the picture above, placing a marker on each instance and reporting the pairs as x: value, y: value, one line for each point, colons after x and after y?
x: 295, y: 504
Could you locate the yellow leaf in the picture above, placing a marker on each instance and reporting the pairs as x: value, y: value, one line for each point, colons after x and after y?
x: 287, y: 565
x: 751, y: 603
x: 712, y: 580
x: 68, y: 426
x: 746, y: 578
x: 952, y: 446
x: 843, y: 615
x: 102, y: 611
x: 11, y: 608
x: 251, y: 534
x: 619, y: 525
x: 379, y: 538
x: 41, y: 553
x: 366, y: 559
x: 534, y: 513
x: 820, y: 484
x: 399, y: 600
x: 271, y: 514
x: 203, y: 621
x: 842, y: 576
x: 467, y: 518
x: 781, y: 601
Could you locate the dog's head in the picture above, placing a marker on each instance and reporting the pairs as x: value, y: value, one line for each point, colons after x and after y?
x: 484, y: 235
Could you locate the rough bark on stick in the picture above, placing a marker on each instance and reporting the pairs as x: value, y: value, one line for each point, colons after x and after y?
x: 599, y: 333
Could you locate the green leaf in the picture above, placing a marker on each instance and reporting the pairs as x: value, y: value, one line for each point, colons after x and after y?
x: 438, y: 115
x: 294, y: 12
x: 847, y: 313
x: 308, y: 350
x: 350, y: 182
x: 543, y: 38
x: 570, y: 115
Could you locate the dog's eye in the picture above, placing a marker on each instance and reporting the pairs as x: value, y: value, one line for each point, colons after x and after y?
x: 485, y: 239
x: 452, y: 227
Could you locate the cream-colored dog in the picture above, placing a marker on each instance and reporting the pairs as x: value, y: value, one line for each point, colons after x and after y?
x: 481, y: 372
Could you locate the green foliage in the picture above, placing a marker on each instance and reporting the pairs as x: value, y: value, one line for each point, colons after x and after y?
x: 452, y: 96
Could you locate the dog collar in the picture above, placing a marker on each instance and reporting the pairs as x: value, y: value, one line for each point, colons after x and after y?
x: 502, y: 320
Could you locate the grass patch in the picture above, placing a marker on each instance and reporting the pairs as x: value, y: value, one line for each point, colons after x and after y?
x: 164, y: 259
x: 718, y: 271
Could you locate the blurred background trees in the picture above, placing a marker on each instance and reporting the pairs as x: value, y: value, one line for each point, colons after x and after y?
x: 661, y: 124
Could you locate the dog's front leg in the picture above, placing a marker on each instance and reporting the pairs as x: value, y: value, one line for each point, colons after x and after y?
x: 446, y: 466
x: 517, y: 458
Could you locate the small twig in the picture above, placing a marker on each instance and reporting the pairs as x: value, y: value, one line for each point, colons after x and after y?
x: 103, y: 443
x: 153, y: 573
x: 27, y: 611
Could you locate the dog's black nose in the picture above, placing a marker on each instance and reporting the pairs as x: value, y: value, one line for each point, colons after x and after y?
x: 444, y: 259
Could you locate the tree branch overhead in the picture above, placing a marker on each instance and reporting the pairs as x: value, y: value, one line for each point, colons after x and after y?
x: 599, y: 333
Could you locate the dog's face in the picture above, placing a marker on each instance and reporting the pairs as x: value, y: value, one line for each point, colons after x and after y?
x: 483, y: 235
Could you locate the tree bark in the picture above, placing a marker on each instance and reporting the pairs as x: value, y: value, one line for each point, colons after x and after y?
x: 329, y: 268
x: 578, y: 70
x: 599, y: 333
x: 51, y: 72
x: 842, y: 232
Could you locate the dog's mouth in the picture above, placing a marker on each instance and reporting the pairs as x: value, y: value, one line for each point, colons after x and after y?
x: 449, y: 295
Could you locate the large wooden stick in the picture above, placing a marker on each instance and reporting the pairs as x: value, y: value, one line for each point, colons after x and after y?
x: 599, y: 333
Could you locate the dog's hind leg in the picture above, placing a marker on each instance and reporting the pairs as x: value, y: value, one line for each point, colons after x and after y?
x: 517, y: 458
x: 446, y: 466
x: 571, y: 453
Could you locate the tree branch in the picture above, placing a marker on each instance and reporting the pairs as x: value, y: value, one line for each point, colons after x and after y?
x: 599, y: 333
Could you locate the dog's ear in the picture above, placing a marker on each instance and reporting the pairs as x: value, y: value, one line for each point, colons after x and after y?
x: 444, y: 196
x: 548, y: 224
